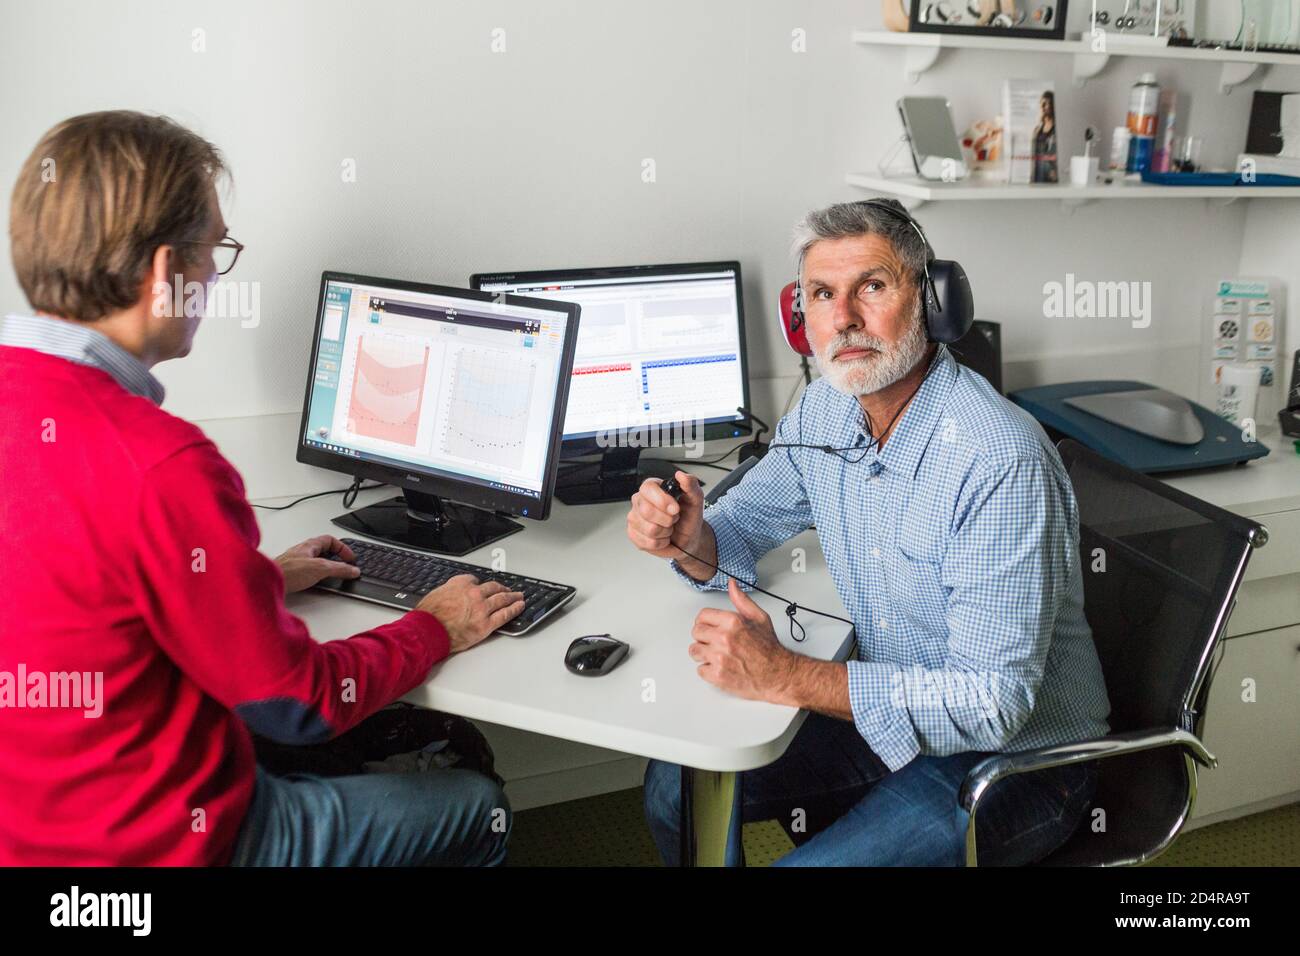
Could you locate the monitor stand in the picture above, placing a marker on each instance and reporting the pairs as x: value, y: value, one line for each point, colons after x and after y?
x: 428, y: 523
x: 615, y: 477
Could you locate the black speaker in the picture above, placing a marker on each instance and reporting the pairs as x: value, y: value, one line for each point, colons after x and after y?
x: 980, y: 350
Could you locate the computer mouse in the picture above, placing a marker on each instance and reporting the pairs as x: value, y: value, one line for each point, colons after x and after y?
x: 595, y: 655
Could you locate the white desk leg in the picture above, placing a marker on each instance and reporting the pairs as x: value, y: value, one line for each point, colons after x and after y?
x: 708, y: 800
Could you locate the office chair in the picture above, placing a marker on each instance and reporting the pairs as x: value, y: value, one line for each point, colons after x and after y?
x: 980, y: 350
x: 1158, y: 607
x: 731, y: 479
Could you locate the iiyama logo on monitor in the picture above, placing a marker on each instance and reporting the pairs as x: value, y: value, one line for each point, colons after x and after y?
x: 414, y: 478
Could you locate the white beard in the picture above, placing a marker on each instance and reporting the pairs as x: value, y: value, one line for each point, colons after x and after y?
x: 869, y: 374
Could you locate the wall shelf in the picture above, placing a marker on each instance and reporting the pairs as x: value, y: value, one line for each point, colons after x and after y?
x: 922, y: 51
x: 913, y: 191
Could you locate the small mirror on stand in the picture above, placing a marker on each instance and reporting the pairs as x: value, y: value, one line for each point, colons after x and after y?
x: 936, y: 152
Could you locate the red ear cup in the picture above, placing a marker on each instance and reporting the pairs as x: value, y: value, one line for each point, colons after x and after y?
x: 793, y: 326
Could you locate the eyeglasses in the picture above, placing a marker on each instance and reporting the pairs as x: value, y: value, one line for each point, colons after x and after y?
x: 224, y: 253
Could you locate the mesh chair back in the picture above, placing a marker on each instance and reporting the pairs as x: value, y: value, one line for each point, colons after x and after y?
x: 1160, y: 574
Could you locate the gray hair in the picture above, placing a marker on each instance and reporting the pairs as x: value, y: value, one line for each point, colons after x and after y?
x: 846, y: 219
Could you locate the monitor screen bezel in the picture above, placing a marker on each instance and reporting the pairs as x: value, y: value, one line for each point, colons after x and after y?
x: 411, y: 477
x: 712, y: 431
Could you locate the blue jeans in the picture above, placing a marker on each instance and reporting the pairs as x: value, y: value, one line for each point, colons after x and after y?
x: 436, y: 818
x: 855, y: 812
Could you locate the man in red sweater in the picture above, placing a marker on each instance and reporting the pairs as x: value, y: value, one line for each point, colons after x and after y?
x: 143, y: 634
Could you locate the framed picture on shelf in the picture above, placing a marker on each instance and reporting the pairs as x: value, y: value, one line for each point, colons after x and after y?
x: 1040, y: 19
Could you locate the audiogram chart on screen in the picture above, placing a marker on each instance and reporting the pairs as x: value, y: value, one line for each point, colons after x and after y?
x: 388, y: 389
x: 491, y: 393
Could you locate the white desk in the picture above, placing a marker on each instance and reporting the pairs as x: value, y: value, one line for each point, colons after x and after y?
x: 654, y: 704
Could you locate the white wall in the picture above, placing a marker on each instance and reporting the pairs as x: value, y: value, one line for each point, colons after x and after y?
x: 469, y: 159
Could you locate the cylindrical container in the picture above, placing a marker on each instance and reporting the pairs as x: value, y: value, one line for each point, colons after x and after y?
x: 1143, y: 112
x: 1238, y: 392
x: 1119, y: 141
x: 1186, y: 156
x: 1162, y: 160
x: 1083, y: 170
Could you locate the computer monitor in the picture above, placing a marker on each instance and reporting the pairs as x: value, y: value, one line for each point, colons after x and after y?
x: 660, y: 362
x: 453, y: 395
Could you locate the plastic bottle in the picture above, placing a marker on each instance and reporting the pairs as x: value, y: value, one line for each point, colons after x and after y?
x: 1143, y: 111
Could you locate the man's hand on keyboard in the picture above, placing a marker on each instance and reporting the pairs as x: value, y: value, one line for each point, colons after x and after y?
x: 306, y: 565
x: 471, y: 611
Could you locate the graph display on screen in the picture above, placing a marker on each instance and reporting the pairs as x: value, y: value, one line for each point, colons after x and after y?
x: 490, y: 399
x: 461, y: 388
x: 388, y: 389
x: 657, y: 345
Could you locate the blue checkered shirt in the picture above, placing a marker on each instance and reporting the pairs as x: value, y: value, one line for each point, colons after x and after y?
x: 955, y: 551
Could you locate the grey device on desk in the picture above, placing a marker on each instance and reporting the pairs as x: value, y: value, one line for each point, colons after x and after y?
x: 936, y: 151
x: 1146, y: 428
x: 1149, y: 411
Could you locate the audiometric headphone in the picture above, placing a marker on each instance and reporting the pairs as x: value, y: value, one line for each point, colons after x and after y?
x: 946, y: 304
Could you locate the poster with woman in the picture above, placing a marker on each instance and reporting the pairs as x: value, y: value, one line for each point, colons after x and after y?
x: 1029, y: 120
x: 1045, y: 169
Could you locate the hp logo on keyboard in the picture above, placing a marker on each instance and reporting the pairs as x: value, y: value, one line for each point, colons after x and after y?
x: 400, y: 594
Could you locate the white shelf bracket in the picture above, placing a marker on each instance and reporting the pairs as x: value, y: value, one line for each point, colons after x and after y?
x: 918, y: 60
x: 1088, y: 65
x: 1234, y: 74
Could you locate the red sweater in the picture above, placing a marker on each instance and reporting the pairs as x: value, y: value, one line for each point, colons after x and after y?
x: 127, y: 549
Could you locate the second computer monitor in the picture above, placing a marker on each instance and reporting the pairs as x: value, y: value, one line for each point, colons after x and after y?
x: 660, y: 361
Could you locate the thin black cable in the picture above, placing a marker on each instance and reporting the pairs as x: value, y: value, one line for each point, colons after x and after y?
x: 791, y: 607
x: 703, y: 464
x: 875, y: 442
x: 351, y: 491
x: 351, y: 494
x: 713, y: 461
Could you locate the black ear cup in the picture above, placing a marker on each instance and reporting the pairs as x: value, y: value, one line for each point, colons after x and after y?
x: 950, y: 309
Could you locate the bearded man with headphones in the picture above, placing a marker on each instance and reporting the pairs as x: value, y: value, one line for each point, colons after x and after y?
x: 951, y: 531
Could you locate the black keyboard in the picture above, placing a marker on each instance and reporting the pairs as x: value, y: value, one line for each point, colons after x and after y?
x: 398, y: 578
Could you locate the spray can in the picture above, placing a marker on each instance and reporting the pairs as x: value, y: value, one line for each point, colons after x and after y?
x: 1143, y: 111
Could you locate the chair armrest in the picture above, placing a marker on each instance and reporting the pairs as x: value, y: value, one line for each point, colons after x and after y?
x: 730, y: 479
x: 992, y: 769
